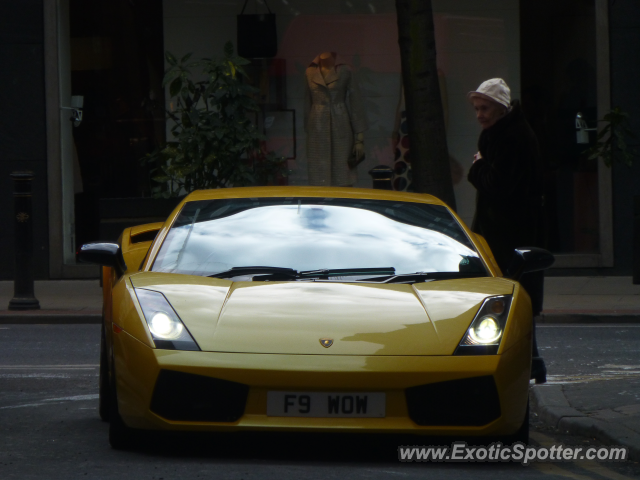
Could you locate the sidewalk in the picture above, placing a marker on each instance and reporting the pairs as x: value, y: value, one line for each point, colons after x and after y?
x: 606, y: 410
x: 592, y: 409
x: 61, y: 301
x: 591, y: 299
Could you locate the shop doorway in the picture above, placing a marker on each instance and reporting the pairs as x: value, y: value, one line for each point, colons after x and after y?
x: 558, y: 75
x: 116, y: 63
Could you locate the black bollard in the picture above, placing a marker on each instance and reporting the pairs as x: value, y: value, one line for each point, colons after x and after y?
x: 636, y: 240
x: 382, y: 175
x: 23, y: 297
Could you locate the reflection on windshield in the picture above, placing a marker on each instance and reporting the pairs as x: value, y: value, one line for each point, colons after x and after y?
x: 210, y: 237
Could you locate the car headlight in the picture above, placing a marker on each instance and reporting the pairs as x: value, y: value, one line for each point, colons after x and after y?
x: 167, y: 330
x: 484, y: 335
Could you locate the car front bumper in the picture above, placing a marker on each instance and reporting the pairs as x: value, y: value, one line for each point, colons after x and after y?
x: 137, y: 368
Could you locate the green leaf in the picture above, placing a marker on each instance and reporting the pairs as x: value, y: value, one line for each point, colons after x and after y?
x: 194, y: 117
x: 170, y: 58
x: 170, y: 76
x: 186, y: 121
x: 611, y: 140
x: 175, y: 87
x: 185, y: 94
x: 212, y: 133
x: 186, y: 57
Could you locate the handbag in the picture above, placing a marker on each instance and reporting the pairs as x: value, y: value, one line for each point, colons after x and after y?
x: 257, y: 35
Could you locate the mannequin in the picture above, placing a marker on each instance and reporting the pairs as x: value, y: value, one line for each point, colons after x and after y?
x: 334, y: 121
x: 327, y: 65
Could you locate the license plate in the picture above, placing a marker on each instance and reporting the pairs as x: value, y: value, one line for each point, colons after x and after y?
x: 326, y: 404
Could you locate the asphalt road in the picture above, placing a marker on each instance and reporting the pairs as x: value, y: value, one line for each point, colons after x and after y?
x: 598, y: 366
x: 49, y: 425
x: 573, y: 350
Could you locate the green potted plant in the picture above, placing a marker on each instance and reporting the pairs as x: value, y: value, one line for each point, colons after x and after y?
x: 216, y: 143
x: 611, y: 139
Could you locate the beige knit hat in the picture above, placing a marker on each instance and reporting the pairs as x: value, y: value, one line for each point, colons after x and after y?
x: 495, y: 89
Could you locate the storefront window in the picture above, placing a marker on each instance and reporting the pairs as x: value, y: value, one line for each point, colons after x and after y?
x: 117, y: 49
x: 475, y: 41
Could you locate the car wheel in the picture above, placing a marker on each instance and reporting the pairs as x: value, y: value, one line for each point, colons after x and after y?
x: 522, y: 435
x: 121, y: 437
x: 104, y: 406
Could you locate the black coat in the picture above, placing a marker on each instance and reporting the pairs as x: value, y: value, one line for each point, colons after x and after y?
x: 508, y: 179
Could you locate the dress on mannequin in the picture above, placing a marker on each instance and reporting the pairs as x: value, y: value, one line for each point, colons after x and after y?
x: 333, y: 115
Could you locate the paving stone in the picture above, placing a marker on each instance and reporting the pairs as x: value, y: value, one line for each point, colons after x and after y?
x: 629, y: 409
x: 564, y: 285
x: 606, y: 414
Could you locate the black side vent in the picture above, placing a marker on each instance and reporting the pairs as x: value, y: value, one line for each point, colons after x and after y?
x: 149, y: 236
x: 196, y: 398
x: 466, y: 402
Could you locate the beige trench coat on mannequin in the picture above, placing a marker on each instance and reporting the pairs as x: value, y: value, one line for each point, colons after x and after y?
x: 333, y: 114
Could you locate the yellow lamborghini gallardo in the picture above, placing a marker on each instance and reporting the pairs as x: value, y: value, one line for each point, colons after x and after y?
x: 313, y: 309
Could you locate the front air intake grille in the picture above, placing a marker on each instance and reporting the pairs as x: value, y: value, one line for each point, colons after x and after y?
x: 466, y: 402
x: 195, y: 398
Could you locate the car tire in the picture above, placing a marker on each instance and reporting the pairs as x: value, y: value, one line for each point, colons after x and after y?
x: 522, y: 435
x: 121, y: 437
x: 104, y: 404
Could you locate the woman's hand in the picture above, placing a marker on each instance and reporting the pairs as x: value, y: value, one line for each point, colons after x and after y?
x: 358, y: 146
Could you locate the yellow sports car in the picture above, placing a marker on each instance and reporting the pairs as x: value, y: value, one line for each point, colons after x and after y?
x: 313, y: 309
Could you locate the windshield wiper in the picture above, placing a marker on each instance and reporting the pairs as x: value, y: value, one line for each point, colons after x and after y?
x: 383, y: 275
x: 347, y: 272
x: 260, y: 273
x: 419, y: 277
x: 266, y: 271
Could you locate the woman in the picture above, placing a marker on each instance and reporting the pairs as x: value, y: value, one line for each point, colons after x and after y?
x: 507, y: 173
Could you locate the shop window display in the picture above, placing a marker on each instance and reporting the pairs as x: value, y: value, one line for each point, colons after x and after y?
x: 475, y: 40
x: 117, y: 52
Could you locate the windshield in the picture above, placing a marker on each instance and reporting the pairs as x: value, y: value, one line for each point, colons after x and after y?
x: 306, y: 234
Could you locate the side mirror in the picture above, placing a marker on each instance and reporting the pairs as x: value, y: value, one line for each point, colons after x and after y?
x: 104, y: 254
x: 528, y: 259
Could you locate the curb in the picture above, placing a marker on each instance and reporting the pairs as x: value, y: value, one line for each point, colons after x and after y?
x: 552, y: 407
x: 50, y: 317
x: 587, y: 318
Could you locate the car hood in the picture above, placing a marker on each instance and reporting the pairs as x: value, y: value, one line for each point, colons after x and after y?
x: 293, y: 317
